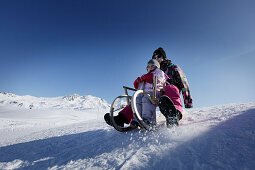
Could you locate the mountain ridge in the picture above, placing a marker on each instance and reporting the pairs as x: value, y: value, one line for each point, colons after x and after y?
x: 73, y: 101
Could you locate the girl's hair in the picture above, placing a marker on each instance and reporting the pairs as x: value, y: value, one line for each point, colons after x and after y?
x: 159, y: 52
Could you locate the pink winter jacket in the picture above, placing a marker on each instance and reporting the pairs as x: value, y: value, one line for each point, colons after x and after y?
x: 148, y: 87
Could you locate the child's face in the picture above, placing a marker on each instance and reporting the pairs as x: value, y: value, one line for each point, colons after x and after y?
x: 160, y: 59
x: 149, y: 67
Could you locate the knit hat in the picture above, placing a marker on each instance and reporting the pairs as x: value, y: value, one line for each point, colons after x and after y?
x: 154, y: 62
x: 160, y: 53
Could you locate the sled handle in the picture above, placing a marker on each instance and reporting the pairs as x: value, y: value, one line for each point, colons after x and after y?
x: 126, y: 92
x: 154, y: 96
x: 129, y: 88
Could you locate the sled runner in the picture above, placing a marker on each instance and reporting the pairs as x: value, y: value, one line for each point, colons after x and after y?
x: 122, y: 101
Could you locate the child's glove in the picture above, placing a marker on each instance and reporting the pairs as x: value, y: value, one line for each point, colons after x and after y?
x: 147, y: 77
x: 137, y: 81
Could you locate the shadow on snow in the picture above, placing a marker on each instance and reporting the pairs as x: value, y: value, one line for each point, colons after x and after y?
x: 63, y: 149
x: 229, y: 145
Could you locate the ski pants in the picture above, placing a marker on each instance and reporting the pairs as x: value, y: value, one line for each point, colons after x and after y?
x: 146, y: 109
x: 174, y: 94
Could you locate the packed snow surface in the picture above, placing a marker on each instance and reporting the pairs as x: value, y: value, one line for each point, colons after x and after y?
x: 69, y: 132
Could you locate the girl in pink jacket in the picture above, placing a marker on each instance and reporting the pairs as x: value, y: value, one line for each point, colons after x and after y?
x: 144, y: 105
x: 146, y: 109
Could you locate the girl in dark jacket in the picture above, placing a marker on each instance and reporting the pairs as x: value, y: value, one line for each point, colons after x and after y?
x: 176, y: 83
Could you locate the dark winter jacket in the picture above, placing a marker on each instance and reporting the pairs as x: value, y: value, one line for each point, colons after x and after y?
x: 177, y: 77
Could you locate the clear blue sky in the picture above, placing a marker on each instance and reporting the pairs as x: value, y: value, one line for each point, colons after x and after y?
x: 55, y: 47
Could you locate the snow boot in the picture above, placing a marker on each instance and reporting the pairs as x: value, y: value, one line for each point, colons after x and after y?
x: 168, y: 109
x: 134, y: 124
x: 108, y: 119
x: 119, y: 120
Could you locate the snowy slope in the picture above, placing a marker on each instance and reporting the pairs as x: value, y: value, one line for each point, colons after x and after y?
x: 220, y: 137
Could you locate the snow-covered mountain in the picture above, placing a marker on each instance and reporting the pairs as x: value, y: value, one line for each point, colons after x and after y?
x: 219, y: 137
x: 74, y: 101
